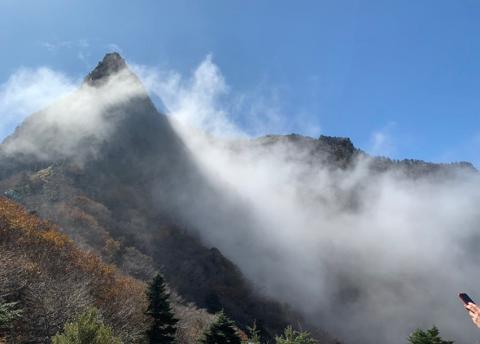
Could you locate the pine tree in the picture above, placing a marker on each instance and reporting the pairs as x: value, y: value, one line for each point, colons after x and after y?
x: 431, y: 336
x: 87, y: 329
x: 164, y: 323
x: 254, y: 334
x: 290, y: 336
x: 222, y: 331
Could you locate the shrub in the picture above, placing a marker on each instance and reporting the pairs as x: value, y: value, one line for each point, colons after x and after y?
x: 222, y: 331
x: 290, y: 336
x: 431, y: 336
x: 87, y: 329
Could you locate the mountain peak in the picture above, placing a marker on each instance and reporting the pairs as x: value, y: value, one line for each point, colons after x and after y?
x: 112, y: 63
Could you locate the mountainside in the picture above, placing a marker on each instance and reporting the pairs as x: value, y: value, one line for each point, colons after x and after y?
x: 113, y: 173
x: 51, y: 280
x: 98, y: 187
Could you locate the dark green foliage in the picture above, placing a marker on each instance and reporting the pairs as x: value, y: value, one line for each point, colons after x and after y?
x: 87, y: 329
x: 222, y: 331
x: 8, y: 313
x: 290, y: 336
x: 431, y: 336
x: 163, y: 328
x: 254, y: 334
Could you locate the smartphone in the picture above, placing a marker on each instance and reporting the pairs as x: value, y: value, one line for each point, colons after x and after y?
x: 465, y: 298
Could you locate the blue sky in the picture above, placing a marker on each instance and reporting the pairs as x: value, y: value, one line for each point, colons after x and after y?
x: 400, y: 78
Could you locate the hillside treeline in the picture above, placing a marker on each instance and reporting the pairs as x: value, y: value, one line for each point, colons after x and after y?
x: 51, y: 281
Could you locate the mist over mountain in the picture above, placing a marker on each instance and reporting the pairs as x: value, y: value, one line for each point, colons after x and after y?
x: 279, y: 228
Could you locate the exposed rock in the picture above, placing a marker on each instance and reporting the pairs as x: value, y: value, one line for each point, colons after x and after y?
x: 112, y: 63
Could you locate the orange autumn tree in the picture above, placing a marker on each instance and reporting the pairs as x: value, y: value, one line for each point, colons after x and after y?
x: 54, y: 280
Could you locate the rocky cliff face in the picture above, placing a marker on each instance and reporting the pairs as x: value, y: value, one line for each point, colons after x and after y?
x: 111, y: 64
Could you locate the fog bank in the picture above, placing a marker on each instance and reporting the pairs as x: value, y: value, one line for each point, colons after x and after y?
x: 368, y: 256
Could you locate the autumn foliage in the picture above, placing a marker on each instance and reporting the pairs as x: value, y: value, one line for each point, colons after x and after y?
x: 36, y: 258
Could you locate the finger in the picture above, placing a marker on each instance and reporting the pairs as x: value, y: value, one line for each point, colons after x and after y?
x: 471, y: 304
x: 472, y: 307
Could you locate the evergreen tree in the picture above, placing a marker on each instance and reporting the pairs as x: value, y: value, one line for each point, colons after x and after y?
x: 163, y: 328
x: 222, y: 331
x: 87, y: 329
x: 254, y: 334
x: 431, y: 336
x: 290, y: 336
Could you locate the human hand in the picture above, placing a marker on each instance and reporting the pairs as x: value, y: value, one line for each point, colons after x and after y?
x: 474, y: 312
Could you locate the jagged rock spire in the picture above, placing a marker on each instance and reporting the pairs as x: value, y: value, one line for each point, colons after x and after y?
x: 112, y: 63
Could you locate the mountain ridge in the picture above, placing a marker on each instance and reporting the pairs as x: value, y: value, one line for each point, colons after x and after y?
x: 131, y: 193
x: 124, y: 193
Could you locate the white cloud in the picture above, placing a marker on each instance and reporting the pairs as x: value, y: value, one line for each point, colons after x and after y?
x: 390, y: 250
x: 198, y: 101
x: 369, y: 257
x: 80, y: 47
x: 57, y: 45
x: 29, y: 90
x: 48, y: 45
x: 382, y: 141
x: 113, y: 47
x: 205, y: 101
x: 66, y: 113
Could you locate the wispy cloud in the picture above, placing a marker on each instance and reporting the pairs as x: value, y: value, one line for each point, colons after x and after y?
x: 80, y: 47
x: 386, y: 248
x: 382, y: 141
x: 73, y: 113
x: 28, y: 90
x: 54, y: 46
x: 205, y: 100
x: 114, y: 47
x: 374, y: 254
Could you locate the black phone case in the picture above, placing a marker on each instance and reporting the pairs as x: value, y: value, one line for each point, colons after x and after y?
x: 465, y: 298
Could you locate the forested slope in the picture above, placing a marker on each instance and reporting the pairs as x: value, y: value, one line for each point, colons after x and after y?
x: 52, y: 281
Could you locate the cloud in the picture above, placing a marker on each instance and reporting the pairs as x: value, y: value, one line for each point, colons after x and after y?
x: 81, y: 47
x: 368, y: 256
x: 113, y: 47
x: 205, y: 101
x: 74, y: 123
x: 198, y: 101
x: 54, y: 46
x: 48, y: 45
x: 28, y: 90
x: 263, y: 110
x: 382, y: 141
